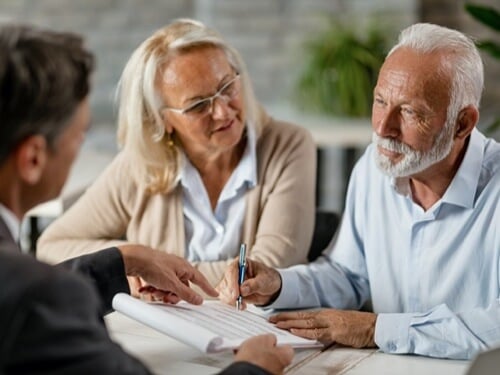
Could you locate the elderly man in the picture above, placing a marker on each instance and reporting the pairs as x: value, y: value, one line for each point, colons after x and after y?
x: 420, y: 235
x: 51, y: 319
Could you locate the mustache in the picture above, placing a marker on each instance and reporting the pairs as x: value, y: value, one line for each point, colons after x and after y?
x: 391, y: 144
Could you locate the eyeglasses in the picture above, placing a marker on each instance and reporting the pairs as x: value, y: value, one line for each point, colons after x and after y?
x: 204, y: 106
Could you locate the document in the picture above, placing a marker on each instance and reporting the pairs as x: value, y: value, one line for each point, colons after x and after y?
x: 212, y: 327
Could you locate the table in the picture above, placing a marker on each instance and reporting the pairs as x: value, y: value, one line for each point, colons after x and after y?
x: 164, y: 355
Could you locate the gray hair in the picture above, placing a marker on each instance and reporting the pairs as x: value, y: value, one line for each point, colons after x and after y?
x: 44, y: 76
x: 141, y: 131
x: 462, y: 61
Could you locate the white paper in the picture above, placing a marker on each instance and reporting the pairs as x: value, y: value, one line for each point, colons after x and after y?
x: 211, y: 327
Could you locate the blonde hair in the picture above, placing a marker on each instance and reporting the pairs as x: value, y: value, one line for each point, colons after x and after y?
x: 141, y: 131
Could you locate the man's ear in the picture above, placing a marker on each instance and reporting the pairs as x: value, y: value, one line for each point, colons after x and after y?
x: 466, y: 121
x: 31, y: 158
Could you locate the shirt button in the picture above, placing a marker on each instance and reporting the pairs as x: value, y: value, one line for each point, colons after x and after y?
x: 219, y: 229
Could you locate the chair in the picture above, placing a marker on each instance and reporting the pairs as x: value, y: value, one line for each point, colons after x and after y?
x: 325, y: 227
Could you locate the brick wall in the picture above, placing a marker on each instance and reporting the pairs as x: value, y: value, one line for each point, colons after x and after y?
x: 268, y: 33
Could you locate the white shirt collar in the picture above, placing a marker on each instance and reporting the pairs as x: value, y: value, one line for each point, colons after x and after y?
x: 12, y: 222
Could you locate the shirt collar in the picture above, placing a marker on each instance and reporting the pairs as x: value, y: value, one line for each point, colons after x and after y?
x: 463, y: 186
x: 462, y: 189
x: 13, y: 224
x: 246, y: 171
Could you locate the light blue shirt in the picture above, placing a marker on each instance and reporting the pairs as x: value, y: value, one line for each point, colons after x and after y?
x: 213, y: 235
x: 433, y: 277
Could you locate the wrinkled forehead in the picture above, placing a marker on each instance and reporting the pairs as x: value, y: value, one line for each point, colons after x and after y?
x: 194, y: 74
x: 193, y: 62
x: 426, y: 76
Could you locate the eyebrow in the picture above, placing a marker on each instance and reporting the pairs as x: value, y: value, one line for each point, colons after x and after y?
x: 201, y: 97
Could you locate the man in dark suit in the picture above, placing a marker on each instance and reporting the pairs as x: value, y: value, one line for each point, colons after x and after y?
x: 51, y: 318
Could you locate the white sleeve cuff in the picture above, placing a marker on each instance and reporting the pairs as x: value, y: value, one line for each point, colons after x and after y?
x: 289, y: 290
x: 392, y: 332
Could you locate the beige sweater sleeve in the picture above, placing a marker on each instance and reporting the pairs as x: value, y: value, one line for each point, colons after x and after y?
x: 97, y: 220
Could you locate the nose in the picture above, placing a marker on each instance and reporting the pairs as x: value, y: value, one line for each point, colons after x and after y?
x: 385, y: 122
x: 220, y: 108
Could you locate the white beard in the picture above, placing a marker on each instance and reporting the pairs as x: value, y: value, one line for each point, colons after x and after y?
x: 413, y: 161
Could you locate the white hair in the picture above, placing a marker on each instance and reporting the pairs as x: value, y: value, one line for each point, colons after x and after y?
x: 141, y: 130
x: 462, y: 61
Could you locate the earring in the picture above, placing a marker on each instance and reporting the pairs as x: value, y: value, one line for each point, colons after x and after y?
x: 170, y: 142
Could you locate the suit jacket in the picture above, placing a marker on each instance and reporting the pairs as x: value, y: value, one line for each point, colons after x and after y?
x: 51, y: 319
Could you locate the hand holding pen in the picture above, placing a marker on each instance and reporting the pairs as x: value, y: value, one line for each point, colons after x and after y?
x: 242, y: 264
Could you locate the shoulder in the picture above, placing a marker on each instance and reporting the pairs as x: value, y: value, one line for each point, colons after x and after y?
x: 282, y: 136
x: 282, y: 129
x: 491, y: 161
x: 117, y: 178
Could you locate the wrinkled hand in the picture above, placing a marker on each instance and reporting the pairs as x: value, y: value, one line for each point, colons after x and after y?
x: 166, y: 277
x: 349, y: 328
x: 263, y: 352
x: 261, y: 286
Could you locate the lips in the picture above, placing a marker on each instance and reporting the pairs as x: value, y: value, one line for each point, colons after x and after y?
x: 388, y: 153
x: 225, y: 127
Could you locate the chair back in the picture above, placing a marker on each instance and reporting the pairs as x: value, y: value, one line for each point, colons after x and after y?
x: 325, y: 227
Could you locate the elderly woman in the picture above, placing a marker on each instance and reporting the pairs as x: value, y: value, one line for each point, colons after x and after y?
x: 202, y: 166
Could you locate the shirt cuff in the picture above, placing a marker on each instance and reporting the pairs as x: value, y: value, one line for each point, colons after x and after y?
x: 288, y: 293
x: 392, y: 332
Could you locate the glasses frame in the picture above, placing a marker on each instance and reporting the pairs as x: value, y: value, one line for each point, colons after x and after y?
x: 211, y: 99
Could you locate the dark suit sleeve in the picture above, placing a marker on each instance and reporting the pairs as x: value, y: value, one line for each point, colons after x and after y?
x: 243, y: 368
x: 57, y: 329
x: 104, y: 269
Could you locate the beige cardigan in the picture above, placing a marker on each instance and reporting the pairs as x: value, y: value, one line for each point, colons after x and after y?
x: 278, y: 223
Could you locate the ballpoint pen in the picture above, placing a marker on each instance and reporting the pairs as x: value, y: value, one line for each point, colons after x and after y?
x: 242, y: 268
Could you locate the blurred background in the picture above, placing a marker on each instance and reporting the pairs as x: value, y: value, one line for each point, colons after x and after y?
x: 276, y: 39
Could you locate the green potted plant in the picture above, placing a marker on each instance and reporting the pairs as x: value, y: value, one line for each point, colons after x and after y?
x: 489, y: 17
x: 340, y: 71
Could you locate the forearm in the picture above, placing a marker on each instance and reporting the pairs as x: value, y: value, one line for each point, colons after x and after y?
x: 322, y: 283
x: 55, y: 250
x: 106, y: 271
x: 440, y: 332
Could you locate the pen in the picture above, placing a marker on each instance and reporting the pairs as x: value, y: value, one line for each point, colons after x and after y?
x: 241, y: 275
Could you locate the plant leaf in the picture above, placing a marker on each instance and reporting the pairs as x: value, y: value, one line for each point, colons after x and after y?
x: 491, y: 128
x: 485, y: 14
x: 491, y: 47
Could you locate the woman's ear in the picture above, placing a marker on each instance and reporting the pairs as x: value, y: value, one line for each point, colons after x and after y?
x: 31, y: 158
x: 466, y: 121
x: 166, y: 123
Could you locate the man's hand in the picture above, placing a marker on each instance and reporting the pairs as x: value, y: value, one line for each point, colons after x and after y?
x: 262, y: 284
x: 349, y: 328
x: 263, y: 352
x: 167, y: 276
